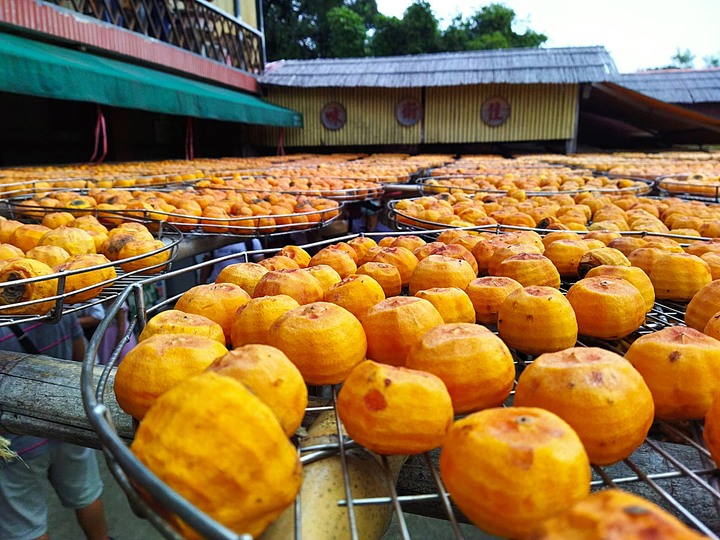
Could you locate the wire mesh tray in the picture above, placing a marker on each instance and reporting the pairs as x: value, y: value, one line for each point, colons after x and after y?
x: 50, y: 309
x: 400, y: 220
x: 36, y: 187
x: 188, y: 224
x: 483, y: 165
x: 671, y: 468
x: 695, y: 187
x: 464, y: 184
x: 353, y: 189
x: 251, y: 226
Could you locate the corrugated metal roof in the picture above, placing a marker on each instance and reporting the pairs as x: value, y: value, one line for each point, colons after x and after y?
x: 676, y: 85
x: 566, y: 65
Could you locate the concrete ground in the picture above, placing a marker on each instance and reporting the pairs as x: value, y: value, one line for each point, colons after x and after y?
x: 123, y: 524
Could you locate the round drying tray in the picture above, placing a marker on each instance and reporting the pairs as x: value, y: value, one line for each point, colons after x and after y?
x: 191, y: 225
x: 672, y: 468
x: 352, y: 190
x: 695, y: 187
x: 467, y: 184
x: 50, y: 309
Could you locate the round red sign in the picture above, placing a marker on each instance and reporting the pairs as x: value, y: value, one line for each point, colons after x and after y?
x: 333, y: 116
x: 495, y: 111
x: 408, y: 112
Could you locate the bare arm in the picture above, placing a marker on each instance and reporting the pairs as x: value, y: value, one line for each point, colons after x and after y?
x: 78, y: 352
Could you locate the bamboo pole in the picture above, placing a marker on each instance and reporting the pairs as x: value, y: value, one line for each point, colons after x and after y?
x: 40, y: 396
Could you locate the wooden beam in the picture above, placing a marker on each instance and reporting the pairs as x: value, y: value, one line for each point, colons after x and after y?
x: 40, y: 396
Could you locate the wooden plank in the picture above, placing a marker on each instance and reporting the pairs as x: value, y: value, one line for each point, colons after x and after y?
x: 40, y: 395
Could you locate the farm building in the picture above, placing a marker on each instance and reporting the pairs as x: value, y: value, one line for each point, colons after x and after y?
x: 168, y: 80
x: 499, y: 100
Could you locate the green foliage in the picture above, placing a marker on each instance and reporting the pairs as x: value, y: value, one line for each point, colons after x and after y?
x: 417, y: 32
x: 347, y: 33
x: 712, y: 61
x: 491, y: 28
x: 387, y: 39
x: 455, y: 37
x: 684, y: 59
x: 347, y: 28
x: 368, y: 11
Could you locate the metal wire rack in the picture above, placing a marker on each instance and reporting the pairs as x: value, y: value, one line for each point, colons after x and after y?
x: 190, y: 225
x: 672, y: 467
x: 401, y: 221
x: 367, y: 191
x: 63, y: 302
x: 37, y: 187
x: 681, y: 186
x: 462, y: 184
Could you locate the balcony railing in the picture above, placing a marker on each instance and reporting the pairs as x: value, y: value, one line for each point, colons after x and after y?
x: 193, y: 25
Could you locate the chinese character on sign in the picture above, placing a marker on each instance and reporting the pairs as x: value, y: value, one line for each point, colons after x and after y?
x: 333, y: 116
x: 408, y: 112
x: 495, y: 112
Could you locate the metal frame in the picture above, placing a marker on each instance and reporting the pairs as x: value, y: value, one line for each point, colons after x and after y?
x: 699, y: 478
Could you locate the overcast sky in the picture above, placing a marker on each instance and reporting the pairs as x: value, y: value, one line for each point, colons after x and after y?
x: 638, y: 34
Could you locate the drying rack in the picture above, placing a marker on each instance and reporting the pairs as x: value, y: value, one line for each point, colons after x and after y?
x: 189, y: 225
x: 434, y: 184
x: 672, y: 467
x: 111, y: 288
x: 680, y: 186
x: 370, y: 190
x: 36, y: 187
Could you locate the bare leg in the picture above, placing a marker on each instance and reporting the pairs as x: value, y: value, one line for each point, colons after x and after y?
x: 92, y: 520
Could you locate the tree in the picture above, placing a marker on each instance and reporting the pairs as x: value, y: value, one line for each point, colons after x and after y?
x: 455, y: 37
x: 683, y: 60
x: 387, y: 39
x: 341, y: 28
x: 680, y: 60
x: 712, y: 61
x: 347, y: 33
x: 417, y: 32
x: 368, y: 11
x: 297, y: 28
x: 288, y: 28
x: 488, y: 28
x: 420, y: 28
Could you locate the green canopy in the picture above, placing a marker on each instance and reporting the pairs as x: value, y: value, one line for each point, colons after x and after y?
x: 40, y: 69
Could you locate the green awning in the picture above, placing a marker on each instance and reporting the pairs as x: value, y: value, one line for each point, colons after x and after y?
x: 40, y: 69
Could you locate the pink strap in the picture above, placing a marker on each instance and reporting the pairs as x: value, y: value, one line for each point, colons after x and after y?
x: 100, y: 131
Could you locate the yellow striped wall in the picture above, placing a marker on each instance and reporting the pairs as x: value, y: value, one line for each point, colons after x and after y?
x: 370, y: 116
x: 248, y: 12
x: 452, y: 115
x: 539, y: 112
